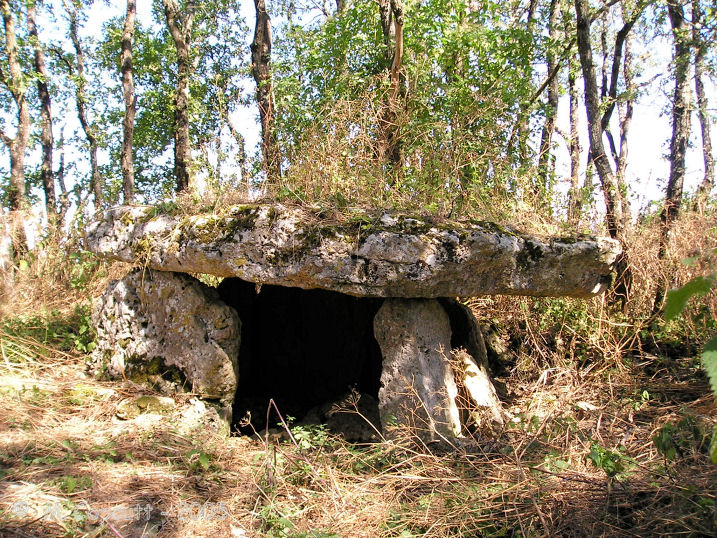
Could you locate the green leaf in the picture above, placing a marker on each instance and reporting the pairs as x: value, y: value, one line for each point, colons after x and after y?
x: 204, y: 460
x: 709, y: 361
x: 677, y: 298
x: 713, y: 446
x: 70, y: 484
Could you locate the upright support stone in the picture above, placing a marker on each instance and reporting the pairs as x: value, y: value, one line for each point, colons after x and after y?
x: 418, y: 389
x: 170, y: 331
x: 478, y: 400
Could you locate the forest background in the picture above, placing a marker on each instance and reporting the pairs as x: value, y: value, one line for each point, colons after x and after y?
x: 519, y: 112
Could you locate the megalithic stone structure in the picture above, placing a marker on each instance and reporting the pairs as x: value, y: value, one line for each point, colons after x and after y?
x: 399, y: 263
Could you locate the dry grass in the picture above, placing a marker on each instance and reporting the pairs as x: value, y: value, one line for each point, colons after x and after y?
x: 580, y: 379
x: 66, y: 456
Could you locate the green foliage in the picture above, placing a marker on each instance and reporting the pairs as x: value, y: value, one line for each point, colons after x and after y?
x: 331, y: 85
x: 199, y: 460
x: 70, y: 484
x: 675, y: 305
x: 677, y: 298
x: 311, y: 437
x: 611, y: 462
x: 72, y: 331
x: 84, y: 265
x: 709, y: 361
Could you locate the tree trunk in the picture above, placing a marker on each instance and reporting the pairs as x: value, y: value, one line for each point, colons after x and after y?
x: 64, y: 196
x: 613, y: 205
x: 130, y: 103
x: 625, y: 112
x: 180, y: 27
x: 544, y: 157
x: 17, y: 146
x: 701, y: 48
x: 261, y: 71
x: 46, y: 140
x: 81, y: 100
x: 614, y: 211
x: 574, y: 198
x: 680, y: 135
x: 522, y: 129
x: 392, y: 20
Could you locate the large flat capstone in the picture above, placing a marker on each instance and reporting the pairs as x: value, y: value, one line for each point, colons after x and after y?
x: 382, y: 255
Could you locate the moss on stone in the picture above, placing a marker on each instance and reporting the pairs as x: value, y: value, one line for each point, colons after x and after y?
x: 218, y: 228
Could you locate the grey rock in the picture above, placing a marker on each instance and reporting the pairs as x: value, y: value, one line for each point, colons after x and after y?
x: 418, y: 389
x: 131, y: 408
x: 382, y: 255
x: 169, y: 331
x: 478, y: 400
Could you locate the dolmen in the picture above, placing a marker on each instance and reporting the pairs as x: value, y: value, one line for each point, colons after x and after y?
x: 311, y: 310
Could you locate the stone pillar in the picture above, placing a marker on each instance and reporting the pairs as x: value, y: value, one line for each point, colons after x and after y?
x: 418, y: 389
x: 171, y: 332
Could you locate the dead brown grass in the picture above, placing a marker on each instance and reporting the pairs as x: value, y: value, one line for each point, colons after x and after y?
x: 534, y: 477
x: 580, y: 378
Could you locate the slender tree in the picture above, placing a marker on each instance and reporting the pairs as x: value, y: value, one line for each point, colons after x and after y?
x: 180, y: 21
x: 261, y: 71
x: 522, y: 129
x: 544, y: 158
x: 64, y: 200
x: 72, y: 7
x: 613, y: 202
x: 130, y: 102
x: 680, y: 133
x: 392, y: 17
x: 614, y: 208
x: 14, y: 81
x: 574, y: 198
x: 625, y: 113
x: 46, y: 140
x: 701, y: 49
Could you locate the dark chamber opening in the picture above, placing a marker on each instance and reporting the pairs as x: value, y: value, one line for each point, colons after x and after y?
x: 303, y: 348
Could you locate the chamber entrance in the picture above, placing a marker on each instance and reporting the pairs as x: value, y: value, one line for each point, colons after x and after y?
x: 301, y: 348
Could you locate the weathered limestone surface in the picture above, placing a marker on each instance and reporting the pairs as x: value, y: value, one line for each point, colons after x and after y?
x: 168, y: 330
x: 418, y: 389
x: 380, y: 256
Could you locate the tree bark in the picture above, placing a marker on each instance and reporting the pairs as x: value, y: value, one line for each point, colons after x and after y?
x: 391, y: 13
x: 680, y: 135
x: 261, y: 71
x: 180, y: 27
x: 574, y: 198
x: 613, y: 205
x: 15, y: 82
x: 17, y: 146
x: 701, y: 48
x: 81, y: 100
x: 64, y: 196
x: 614, y: 210
x: 130, y: 102
x: 46, y: 140
x: 625, y: 113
